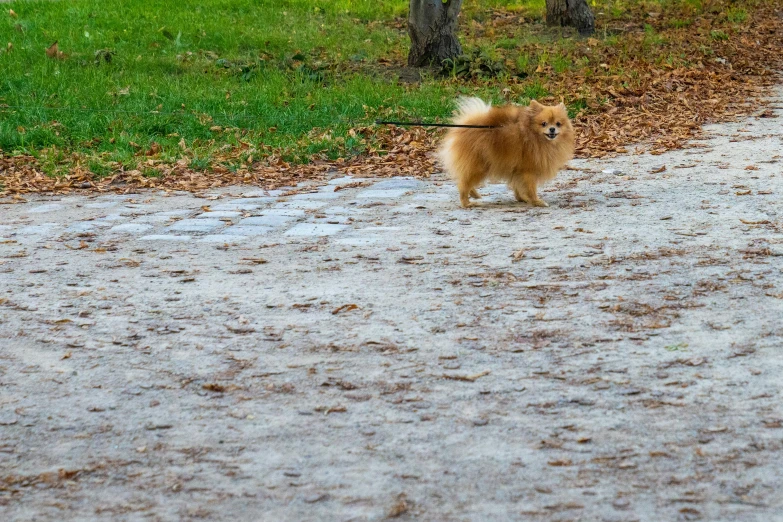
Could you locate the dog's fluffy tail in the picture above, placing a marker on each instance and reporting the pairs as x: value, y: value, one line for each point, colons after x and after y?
x: 469, y: 108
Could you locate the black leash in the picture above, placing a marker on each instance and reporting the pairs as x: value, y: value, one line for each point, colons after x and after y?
x: 419, y: 124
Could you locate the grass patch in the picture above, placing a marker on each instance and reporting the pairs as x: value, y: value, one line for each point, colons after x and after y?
x: 736, y: 15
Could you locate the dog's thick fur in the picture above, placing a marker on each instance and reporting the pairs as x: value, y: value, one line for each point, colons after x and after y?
x: 528, y: 147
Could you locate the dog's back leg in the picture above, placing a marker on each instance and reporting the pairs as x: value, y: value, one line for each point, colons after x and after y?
x: 467, y: 188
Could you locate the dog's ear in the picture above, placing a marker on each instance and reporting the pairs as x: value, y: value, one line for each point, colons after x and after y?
x: 535, y: 106
x: 562, y: 106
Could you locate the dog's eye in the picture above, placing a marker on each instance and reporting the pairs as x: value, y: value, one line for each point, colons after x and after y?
x: 559, y: 124
x: 543, y: 124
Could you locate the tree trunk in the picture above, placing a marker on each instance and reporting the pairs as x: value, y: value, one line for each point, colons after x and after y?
x: 432, y: 26
x: 573, y: 13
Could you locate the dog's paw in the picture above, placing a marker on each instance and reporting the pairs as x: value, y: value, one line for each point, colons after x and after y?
x: 475, y: 194
x: 464, y: 201
x: 540, y: 203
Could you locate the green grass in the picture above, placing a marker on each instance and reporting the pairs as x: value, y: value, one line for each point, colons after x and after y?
x: 274, y: 69
x: 736, y: 15
x: 191, y: 79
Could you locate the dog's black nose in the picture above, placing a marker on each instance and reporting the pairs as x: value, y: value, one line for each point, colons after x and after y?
x: 551, y: 130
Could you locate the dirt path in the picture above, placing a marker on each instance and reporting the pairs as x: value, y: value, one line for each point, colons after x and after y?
x: 377, y: 351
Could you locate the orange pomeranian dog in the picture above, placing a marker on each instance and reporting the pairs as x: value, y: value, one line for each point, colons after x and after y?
x: 527, y: 146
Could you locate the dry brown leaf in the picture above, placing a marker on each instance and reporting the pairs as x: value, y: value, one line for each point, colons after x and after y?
x: 519, y: 254
x: 345, y: 308
x: 154, y: 149
x: 400, y: 506
x: 355, y: 184
x: 53, y: 51
x: 82, y: 246
x: 255, y: 260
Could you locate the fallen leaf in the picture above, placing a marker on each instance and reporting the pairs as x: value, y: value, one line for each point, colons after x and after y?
x: 53, y: 51
x: 344, y: 308
x: 335, y: 409
x: 400, y: 507
x: 127, y: 261
x: 355, y: 184
x: 658, y: 170
x: 468, y: 378
x: 412, y: 260
x: 154, y: 149
x: 255, y: 260
x: 240, y: 329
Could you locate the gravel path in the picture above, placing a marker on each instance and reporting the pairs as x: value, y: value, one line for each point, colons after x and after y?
x: 377, y: 351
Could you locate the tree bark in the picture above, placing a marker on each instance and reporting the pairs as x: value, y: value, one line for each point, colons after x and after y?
x: 573, y: 13
x: 432, y: 26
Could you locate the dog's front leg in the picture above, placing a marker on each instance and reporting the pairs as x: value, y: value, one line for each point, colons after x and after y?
x: 532, y: 190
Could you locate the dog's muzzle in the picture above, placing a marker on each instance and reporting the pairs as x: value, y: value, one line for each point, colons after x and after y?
x: 551, y: 135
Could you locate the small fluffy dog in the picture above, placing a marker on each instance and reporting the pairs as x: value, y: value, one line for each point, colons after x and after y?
x: 528, y: 147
